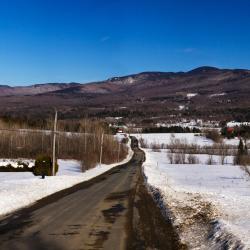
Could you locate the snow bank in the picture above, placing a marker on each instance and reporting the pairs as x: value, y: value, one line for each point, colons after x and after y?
x: 208, y: 204
x: 20, y: 189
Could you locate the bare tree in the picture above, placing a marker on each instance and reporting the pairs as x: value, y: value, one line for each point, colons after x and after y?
x: 170, y: 157
x: 223, y: 151
x: 210, y: 160
x: 192, y: 159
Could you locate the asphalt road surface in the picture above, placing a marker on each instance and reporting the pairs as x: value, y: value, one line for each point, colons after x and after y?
x: 111, y: 211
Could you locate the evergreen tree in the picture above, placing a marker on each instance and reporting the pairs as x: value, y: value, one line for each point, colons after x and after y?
x: 242, y: 153
x: 241, y: 148
x: 246, y: 149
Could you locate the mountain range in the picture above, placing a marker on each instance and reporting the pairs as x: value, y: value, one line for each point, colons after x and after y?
x: 206, y: 92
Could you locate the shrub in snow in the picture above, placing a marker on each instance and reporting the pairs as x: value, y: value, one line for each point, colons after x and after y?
x: 192, y: 159
x: 242, y: 157
x: 243, y: 160
x: 170, y: 158
x: 43, y: 166
x: 239, y: 130
x: 156, y: 147
x: 180, y: 158
x: 89, y: 161
x: 210, y: 160
x: 223, y: 151
x: 214, y: 135
x: 143, y: 143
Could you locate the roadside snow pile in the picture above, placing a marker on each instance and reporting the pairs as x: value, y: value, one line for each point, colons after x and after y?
x: 209, y: 204
x: 220, y: 192
x: 20, y: 189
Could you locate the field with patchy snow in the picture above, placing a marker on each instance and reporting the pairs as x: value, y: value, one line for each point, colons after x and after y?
x: 208, y: 204
x: 20, y: 189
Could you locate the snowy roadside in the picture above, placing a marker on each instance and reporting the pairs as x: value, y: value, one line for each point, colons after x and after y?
x: 209, y: 205
x: 21, y: 189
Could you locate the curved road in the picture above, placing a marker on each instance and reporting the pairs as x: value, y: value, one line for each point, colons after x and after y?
x: 111, y: 211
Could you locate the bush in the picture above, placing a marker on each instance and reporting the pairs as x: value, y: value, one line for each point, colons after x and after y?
x: 179, y: 158
x: 242, y: 157
x: 192, y: 159
x: 143, y: 143
x: 210, y: 160
x: 223, y: 151
x: 170, y: 158
x: 43, y: 166
x: 241, y: 131
x: 156, y: 147
x: 89, y: 162
x: 243, y: 160
x: 214, y: 135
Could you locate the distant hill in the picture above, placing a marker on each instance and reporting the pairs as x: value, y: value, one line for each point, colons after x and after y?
x: 203, y: 92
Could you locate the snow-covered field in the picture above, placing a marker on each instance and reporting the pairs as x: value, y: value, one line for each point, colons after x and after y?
x: 20, y: 189
x: 190, y: 138
x: 201, y: 158
x: 208, y: 204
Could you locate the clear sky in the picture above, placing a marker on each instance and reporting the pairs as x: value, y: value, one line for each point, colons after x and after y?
x: 87, y: 40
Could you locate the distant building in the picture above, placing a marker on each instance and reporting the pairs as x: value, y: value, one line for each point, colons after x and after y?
x: 119, y: 131
x: 233, y: 124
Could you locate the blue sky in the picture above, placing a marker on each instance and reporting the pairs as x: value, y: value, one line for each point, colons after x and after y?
x: 88, y: 40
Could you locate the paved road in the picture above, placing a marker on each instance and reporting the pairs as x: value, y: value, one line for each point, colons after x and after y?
x: 98, y: 214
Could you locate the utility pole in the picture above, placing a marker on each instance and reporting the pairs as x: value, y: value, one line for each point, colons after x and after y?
x: 58, y: 145
x: 119, y: 149
x: 42, y: 141
x: 11, y: 141
x: 54, y: 145
x: 85, y: 136
x: 100, y: 163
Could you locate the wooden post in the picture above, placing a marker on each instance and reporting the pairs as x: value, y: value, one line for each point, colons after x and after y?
x: 100, y: 163
x: 54, y: 146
